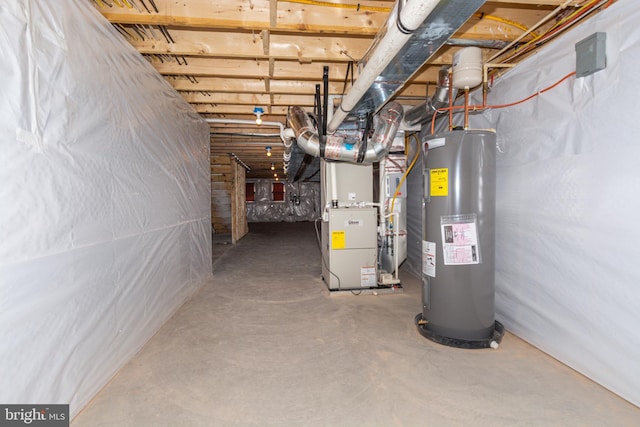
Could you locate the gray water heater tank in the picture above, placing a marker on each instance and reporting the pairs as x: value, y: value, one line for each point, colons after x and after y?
x: 458, y: 259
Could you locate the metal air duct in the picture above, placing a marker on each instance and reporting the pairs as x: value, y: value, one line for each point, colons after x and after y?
x: 348, y: 145
x: 424, y: 112
x: 416, y: 29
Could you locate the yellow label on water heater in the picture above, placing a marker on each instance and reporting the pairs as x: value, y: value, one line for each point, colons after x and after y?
x: 338, y: 240
x: 439, y: 182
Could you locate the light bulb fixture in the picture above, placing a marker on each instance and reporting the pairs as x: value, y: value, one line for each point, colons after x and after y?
x: 276, y: 178
x: 275, y: 175
x: 273, y: 166
x: 258, y: 112
x: 268, y: 148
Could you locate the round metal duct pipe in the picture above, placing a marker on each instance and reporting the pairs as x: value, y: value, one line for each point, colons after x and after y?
x: 347, y: 145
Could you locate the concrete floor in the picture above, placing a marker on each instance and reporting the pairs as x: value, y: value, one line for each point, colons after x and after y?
x: 264, y: 344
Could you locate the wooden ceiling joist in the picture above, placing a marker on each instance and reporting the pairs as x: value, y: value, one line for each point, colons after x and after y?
x: 227, y: 57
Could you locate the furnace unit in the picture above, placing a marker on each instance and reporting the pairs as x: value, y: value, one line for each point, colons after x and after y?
x: 349, y: 226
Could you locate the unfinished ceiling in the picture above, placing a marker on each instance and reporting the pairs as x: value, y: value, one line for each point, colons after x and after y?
x: 228, y: 57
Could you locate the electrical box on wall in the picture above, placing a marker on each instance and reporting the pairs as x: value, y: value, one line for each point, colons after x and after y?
x: 591, y: 54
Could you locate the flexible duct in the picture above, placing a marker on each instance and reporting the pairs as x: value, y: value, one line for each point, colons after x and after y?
x: 348, y: 146
x: 422, y: 113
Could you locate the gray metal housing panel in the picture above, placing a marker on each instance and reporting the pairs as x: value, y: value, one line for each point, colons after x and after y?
x: 341, y: 268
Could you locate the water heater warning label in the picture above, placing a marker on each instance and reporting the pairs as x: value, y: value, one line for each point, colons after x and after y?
x: 439, y: 182
x: 429, y: 258
x: 460, y: 240
x: 338, y: 240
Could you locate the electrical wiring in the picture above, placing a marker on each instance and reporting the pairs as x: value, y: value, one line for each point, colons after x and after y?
x: 548, y: 88
x: 515, y: 24
x: 581, y: 12
x: 546, y: 18
x: 357, y: 7
x: 484, y: 107
x: 360, y: 7
x: 406, y: 173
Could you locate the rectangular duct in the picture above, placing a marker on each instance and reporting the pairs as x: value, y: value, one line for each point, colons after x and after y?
x: 445, y: 19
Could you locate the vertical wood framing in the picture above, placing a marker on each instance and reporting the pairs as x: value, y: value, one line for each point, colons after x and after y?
x: 221, y: 190
x: 240, y: 226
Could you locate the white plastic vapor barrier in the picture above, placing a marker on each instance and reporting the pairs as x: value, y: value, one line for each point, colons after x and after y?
x: 104, y: 203
x: 301, y: 202
x: 568, y: 198
x: 413, y: 264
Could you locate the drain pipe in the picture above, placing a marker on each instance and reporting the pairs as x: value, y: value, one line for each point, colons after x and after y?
x: 406, y: 17
x: 286, y: 134
x: 423, y: 113
x: 348, y: 146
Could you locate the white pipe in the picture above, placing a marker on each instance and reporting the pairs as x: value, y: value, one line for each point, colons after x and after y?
x: 286, y: 134
x: 412, y: 15
x: 252, y: 122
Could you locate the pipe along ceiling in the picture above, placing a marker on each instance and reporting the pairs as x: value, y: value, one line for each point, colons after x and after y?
x: 415, y: 30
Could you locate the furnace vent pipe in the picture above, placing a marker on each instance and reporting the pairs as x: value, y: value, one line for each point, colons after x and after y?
x: 406, y: 17
x: 424, y: 112
x: 385, y: 123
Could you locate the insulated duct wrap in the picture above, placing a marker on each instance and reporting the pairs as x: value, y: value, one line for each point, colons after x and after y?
x: 348, y: 145
x: 301, y: 202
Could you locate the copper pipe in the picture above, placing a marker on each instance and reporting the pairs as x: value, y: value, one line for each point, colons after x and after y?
x: 466, y: 109
x: 485, y: 89
x: 450, y: 99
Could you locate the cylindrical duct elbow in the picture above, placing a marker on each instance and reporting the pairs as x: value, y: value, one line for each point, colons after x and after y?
x: 338, y: 147
x: 424, y: 112
x: 386, y: 125
x: 304, y: 131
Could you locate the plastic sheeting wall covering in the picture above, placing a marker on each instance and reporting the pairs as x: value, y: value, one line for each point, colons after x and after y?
x: 105, y: 202
x: 413, y: 264
x: 568, y: 197
x: 264, y: 209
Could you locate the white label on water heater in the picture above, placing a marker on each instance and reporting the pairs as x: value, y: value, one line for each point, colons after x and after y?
x: 429, y: 258
x: 460, y: 240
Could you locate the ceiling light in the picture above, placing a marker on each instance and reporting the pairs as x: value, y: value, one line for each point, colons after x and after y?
x: 268, y: 148
x: 273, y: 166
x: 258, y: 112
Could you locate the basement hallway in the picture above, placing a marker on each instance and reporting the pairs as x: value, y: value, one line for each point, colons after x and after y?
x: 264, y: 344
